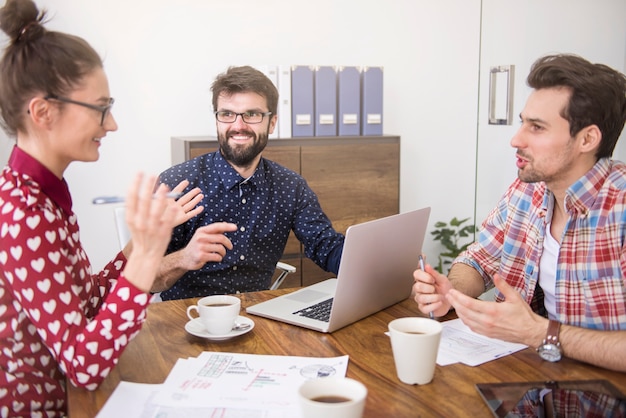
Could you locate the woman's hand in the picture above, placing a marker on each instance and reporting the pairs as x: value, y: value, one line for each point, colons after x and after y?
x: 150, y: 216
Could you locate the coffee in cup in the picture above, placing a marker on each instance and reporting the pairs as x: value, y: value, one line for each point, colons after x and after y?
x: 415, y: 343
x: 332, y: 397
x: 217, y: 313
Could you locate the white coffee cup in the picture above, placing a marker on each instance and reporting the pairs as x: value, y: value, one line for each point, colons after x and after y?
x: 218, y: 313
x: 332, y: 397
x: 415, y: 342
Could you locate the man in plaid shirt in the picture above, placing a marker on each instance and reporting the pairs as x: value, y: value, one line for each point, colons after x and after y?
x: 554, y: 246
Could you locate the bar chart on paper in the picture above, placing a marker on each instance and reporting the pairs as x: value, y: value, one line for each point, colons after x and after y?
x: 227, y: 384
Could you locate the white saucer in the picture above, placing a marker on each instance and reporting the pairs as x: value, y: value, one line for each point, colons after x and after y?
x: 195, y: 327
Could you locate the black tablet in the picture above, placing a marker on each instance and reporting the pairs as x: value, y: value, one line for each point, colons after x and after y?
x: 574, y: 398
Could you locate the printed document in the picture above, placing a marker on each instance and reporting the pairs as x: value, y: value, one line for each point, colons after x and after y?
x: 459, y: 344
x: 225, y: 385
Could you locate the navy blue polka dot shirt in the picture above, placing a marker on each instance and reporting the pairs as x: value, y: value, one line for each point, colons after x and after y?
x: 265, y: 208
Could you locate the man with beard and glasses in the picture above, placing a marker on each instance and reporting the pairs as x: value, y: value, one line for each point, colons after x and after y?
x: 555, y: 245
x: 250, y: 204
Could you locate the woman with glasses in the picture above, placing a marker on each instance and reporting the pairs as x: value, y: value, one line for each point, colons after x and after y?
x: 58, y: 320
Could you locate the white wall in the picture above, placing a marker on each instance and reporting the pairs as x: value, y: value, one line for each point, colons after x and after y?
x: 161, y: 57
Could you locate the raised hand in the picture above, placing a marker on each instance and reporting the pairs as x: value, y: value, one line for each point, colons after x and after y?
x: 150, y: 216
x: 187, y: 203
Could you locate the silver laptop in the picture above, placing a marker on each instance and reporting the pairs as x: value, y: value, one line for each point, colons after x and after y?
x: 376, y: 271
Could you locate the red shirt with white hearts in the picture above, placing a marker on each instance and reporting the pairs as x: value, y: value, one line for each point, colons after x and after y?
x: 57, y: 319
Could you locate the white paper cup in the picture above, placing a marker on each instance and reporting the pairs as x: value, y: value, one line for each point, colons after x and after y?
x: 415, y: 342
x: 218, y: 313
x: 332, y: 397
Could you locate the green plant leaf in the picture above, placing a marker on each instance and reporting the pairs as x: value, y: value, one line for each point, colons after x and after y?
x: 453, y: 237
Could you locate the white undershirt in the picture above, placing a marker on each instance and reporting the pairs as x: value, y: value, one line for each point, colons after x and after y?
x: 547, y: 272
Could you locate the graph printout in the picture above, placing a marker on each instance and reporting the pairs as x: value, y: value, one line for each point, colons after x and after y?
x: 243, y: 382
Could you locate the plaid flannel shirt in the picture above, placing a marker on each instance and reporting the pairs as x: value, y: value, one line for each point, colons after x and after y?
x: 590, y: 273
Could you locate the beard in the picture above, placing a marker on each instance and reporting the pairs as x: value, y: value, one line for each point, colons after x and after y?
x: 529, y: 176
x: 242, y: 155
x: 548, y: 170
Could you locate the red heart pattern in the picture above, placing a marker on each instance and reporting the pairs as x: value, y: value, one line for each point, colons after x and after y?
x: 57, y: 319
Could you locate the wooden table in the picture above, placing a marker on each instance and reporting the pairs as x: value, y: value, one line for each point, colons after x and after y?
x: 152, y: 354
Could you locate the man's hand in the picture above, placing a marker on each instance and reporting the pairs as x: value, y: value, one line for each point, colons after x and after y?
x: 208, y: 244
x: 430, y: 289
x: 512, y: 320
x: 187, y: 203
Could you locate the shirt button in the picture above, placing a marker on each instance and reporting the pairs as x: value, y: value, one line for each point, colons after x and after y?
x: 234, y: 267
x: 242, y: 257
x: 243, y: 228
x: 243, y: 200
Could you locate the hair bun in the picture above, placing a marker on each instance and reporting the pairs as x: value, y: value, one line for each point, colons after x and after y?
x: 32, y: 30
x: 21, y: 20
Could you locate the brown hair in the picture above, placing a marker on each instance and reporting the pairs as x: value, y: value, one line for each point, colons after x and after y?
x: 37, y: 61
x: 598, y: 95
x: 242, y: 80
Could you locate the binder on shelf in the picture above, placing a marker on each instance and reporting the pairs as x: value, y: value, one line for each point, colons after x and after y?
x: 372, y: 101
x: 284, y: 101
x: 325, y: 101
x: 302, y: 101
x: 348, y: 101
x: 271, y: 71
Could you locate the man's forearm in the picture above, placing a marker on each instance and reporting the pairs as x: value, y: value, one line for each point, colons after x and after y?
x: 601, y: 348
x: 466, y: 280
x: 169, y: 272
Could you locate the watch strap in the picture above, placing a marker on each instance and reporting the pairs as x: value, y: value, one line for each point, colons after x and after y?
x: 552, y: 336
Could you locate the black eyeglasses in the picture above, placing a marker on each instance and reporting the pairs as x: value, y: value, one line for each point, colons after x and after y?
x: 105, y: 110
x: 226, y: 116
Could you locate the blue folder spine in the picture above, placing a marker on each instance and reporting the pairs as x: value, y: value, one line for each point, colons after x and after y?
x: 302, y: 101
x: 325, y: 101
x: 372, y: 101
x: 348, y: 101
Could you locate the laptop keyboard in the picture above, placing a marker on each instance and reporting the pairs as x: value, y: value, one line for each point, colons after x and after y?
x: 319, y: 311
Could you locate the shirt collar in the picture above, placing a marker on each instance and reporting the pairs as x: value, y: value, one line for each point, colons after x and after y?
x: 581, y: 195
x: 55, y: 188
x: 231, y: 178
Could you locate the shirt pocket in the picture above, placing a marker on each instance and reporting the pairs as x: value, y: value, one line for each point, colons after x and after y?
x: 604, y: 304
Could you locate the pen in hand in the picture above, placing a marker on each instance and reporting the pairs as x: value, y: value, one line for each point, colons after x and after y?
x: 431, y: 315
x: 102, y: 200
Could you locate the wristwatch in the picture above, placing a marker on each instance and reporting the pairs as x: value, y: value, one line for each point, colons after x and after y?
x: 550, y: 348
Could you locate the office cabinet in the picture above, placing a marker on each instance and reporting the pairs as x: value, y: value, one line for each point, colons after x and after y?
x: 356, y: 179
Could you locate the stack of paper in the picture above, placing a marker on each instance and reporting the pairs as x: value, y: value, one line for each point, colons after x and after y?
x: 224, y: 385
x: 459, y: 344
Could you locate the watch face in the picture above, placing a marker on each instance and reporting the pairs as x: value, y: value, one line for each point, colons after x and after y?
x: 550, y: 352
